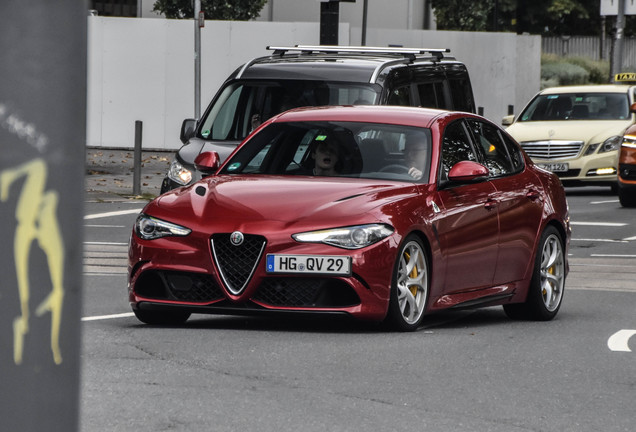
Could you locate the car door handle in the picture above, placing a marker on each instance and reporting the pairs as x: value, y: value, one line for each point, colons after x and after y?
x: 490, y: 204
x: 533, y: 195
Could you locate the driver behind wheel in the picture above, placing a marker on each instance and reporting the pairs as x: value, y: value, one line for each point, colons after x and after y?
x: 415, y: 154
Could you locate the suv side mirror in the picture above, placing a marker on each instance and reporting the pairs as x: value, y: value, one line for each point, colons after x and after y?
x: 187, y: 130
x: 508, y: 120
x: 207, y: 162
x: 467, y: 172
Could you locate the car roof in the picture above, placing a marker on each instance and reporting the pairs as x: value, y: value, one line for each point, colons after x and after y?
x: 605, y: 88
x: 341, y: 63
x: 398, y: 115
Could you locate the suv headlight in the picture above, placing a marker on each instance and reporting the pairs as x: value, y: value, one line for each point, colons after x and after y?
x: 179, y: 174
x: 611, y: 144
x: 354, y: 237
x: 150, y: 228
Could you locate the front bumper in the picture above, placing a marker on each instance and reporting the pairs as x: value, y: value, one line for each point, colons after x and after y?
x: 587, y: 170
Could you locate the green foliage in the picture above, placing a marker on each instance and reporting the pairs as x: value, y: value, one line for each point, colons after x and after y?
x: 599, y: 70
x: 547, y: 17
x: 563, y: 74
x: 558, y: 71
x: 233, y: 10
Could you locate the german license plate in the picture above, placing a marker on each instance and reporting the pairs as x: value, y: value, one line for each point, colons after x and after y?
x: 555, y: 167
x: 309, y: 264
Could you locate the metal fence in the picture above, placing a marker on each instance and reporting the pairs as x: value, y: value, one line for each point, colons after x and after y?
x: 589, y: 46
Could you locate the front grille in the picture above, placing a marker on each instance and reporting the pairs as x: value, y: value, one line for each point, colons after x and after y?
x: 236, y: 264
x: 181, y: 286
x: 552, y: 149
x: 305, y: 292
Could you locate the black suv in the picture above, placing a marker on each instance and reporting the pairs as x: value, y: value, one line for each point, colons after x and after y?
x: 313, y: 76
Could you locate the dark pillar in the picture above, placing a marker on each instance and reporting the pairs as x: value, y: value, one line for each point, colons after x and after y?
x: 42, y: 137
x: 329, y: 20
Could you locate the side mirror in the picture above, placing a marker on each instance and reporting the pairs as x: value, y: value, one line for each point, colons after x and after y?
x: 632, y: 108
x: 187, y: 130
x: 467, y: 172
x: 508, y: 120
x: 207, y: 162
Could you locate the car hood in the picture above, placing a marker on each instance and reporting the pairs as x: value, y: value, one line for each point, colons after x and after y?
x: 590, y: 131
x: 283, y: 201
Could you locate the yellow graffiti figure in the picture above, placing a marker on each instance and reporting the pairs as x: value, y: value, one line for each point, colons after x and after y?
x: 37, y: 220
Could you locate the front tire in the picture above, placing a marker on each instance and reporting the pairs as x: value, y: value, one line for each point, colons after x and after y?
x: 409, y: 286
x: 156, y: 317
x: 627, y: 196
x: 545, y: 292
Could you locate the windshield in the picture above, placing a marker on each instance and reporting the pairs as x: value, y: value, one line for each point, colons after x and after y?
x: 336, y: 149
x: 243, y: 105
x: 577, y: 106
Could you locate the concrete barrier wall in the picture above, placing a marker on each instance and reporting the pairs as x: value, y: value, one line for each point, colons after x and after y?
x: 143, y: 69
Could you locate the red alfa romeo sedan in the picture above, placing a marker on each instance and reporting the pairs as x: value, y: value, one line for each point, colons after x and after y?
x: 381, y: 213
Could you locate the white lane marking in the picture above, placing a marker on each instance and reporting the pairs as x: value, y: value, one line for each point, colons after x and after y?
x: 105, y: 243
x: 105, y: 226
x: 104, y: 317
x: 630, y: 238
x: 612, y: 256
x: 109, y: 214
x: 607, y: 224
x: 599, y: 240
x: 619, y: 341
x: 604, y: 202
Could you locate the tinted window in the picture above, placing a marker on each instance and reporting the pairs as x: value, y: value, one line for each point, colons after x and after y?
x: 461, y: 94
x: 432, y: 95
x: 456, y: 147
x: 492, y: 147
x: 400, y: 96
x: 242, y: 106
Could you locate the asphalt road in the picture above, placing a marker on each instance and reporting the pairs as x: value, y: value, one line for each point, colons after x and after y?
x: 463, y: 371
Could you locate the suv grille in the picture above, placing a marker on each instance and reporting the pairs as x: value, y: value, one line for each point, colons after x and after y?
x: 237, y: 263
x: 552, y: 149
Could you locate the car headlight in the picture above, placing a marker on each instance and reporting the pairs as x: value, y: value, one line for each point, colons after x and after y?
x: 629, y: 141
x: 150, y: 228
x: 179, y: 174
x: 354, y: 237
x: 611, y: 144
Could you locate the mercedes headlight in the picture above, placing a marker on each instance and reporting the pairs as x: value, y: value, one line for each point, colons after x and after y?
x: 150, y: 228
x: 354, y: 237
x: 179, y: 174
x: 611, y: 144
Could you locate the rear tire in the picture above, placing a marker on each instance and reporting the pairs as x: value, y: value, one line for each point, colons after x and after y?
x: 155, y: 317
x: 409, y: 286
x: 545, y: 292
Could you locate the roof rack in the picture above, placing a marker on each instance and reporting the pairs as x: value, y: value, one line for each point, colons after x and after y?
x: 406, y: 52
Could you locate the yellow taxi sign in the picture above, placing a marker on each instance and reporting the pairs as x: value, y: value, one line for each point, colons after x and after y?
x: 625, y: 76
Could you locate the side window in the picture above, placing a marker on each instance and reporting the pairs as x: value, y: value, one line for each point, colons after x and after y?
x: 456, y: 147
x: 400, y: 96
x: 462, y: 95
x: 432, y: 95
x: 492, y: 147
x: 514, y: 151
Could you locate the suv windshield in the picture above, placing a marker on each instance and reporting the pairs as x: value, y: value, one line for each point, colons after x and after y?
x: 243, y: 105
x: 336, y: 149
x: 577, y: 106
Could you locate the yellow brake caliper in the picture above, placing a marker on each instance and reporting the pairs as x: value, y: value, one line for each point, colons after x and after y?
x: 413, y: 275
